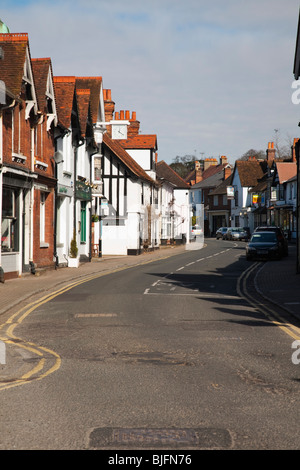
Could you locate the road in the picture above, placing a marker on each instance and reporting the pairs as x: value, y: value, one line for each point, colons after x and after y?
x: 168, y: 354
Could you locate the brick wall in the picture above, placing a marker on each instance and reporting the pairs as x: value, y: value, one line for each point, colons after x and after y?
x: 43, y: 254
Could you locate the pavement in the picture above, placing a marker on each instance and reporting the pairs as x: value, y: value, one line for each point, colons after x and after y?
x: 277, y: 281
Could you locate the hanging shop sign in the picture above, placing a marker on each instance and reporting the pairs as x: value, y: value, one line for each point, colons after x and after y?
x: 230, y: 192
x: 256, y: 198
x: 63, y: 190
x: 83, y: 191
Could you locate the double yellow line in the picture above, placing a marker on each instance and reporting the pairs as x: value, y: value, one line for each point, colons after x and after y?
x: 269, y: 312
x: 45, y: 355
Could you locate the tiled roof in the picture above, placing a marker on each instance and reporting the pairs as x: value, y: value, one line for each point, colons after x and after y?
x: 140, y: 142
x: 125, y: 158
x: 222, y: 187
x: 64, y: 92
x: 164, y: 171
x: 12, y: 65
x: 94, y: 85
x: 250, y: 172
x: 83, y: 103
x: 286, y: 171
x: 211, y: 170
x: 261, y: 186
x: 40, y: 69
x: 211, y: 181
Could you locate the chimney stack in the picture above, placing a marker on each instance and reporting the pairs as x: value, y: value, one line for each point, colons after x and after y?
x: 223, y: 160
x: 198, y: 172
x: 209, y: 161
x: 109, y: 108
x: 134, y: 127
x: 270, y: 152
x: 227, y: 172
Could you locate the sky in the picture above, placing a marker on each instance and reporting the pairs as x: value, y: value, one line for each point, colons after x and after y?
x: 209, y: 78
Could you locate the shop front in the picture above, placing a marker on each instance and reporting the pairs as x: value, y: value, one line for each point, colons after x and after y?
x: 16, y: 224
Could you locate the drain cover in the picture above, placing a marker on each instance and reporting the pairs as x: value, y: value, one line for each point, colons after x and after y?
x: 201, y: 438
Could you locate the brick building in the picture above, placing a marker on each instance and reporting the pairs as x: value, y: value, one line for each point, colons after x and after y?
x: 44, y: 165
x: 18, y: 122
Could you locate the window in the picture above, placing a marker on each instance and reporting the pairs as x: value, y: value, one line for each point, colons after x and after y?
x: 224, y: 200
x: 97, y: 169
x: 10, y: 220
x: 216, y: 200
x: 274, y: 194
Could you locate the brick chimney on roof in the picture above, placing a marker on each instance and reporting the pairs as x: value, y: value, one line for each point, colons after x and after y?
x: 270, y: 152
x: 109, y: 108
x: 198, y: 172
x: 223, y: 160
x: 134, y: 127
x: 227, y: 171
x: 209, y: 161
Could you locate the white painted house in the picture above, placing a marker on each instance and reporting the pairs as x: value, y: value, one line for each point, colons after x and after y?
x: 174, y: 205
x: 128, y: 218
x: 246, y: 175
x: 75, y: 146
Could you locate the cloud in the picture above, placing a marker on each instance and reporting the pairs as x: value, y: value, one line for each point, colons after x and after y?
x: 214, y: 77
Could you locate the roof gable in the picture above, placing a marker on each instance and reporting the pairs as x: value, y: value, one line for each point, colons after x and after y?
x: 16, y: 69
x: 94, y: 84
x: 64, y: 92
x: 83, y: 103
x: 125, y: 158
x: 12, y: 65
x: 165, y: 172
x: 285, y: 171
x: 250, y: 171
x: 43, y: 78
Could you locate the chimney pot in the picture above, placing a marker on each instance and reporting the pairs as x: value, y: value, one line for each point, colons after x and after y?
x: 117, y: 116
x: 122, y: 115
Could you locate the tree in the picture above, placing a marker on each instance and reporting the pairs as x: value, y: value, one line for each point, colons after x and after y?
x: 183, y: 165
x: 258, y: 154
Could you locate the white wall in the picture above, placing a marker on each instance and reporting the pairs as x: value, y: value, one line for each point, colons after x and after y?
x: 142, y: 157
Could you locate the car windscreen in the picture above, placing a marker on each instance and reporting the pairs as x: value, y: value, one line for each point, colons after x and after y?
x: 264, y: 237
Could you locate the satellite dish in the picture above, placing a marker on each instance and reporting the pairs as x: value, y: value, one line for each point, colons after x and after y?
x: 58, y: 157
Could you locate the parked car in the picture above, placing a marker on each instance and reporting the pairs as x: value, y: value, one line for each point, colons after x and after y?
x: 196, y: 231
x: 221, y: 232
x: 236, y: 233
x: 265, y: 244
x: 278, y: 230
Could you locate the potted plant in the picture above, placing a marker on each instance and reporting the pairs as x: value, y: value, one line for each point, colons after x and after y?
x: 95, y: 218
x: 73, y: 261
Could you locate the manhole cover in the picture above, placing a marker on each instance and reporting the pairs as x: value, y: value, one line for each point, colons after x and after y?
x: 201, y: 438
